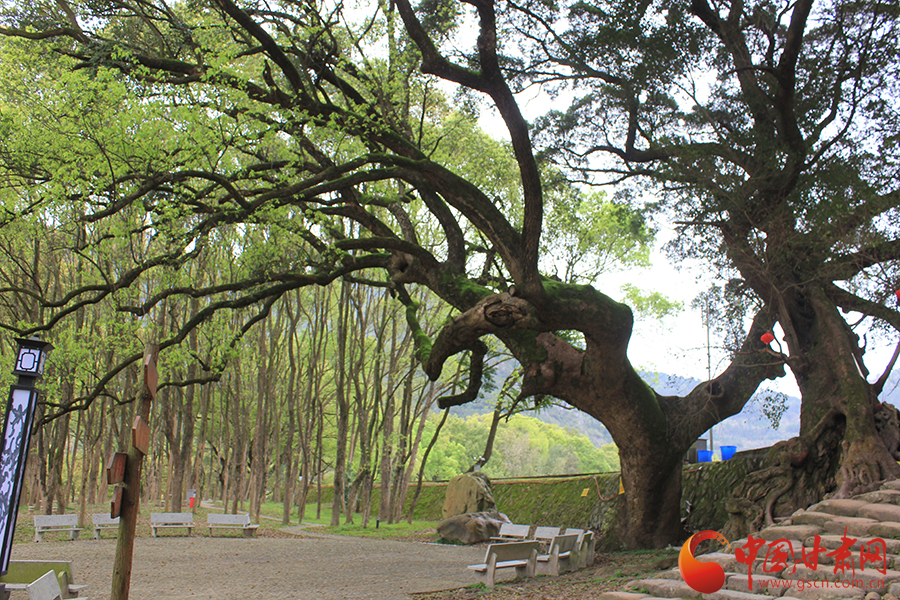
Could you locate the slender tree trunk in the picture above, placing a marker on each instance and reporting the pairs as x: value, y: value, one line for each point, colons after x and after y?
x: 258, y: 462
x: 343, y: 408
x: 291, y: 402
x: 434, y: 438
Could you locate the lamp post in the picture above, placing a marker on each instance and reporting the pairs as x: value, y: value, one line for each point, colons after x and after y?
x: 30, y: 359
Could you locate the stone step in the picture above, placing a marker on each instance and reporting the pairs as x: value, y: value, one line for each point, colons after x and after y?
x: 886, y: 530
x: 852, y: 525
x: 623, y: 596
x: 790, y: 532
x: 892, y: 562
x: 833, y: 542
x: 841, y: 508
x: 810, y: 517
x: 758, y: 584
x: 891, y: 485
x: 664, y: 588
x: 880, y: 512
x: 628, y: 596
x: 880, y: 497
x: 674, y: 574
x: 726, y: 594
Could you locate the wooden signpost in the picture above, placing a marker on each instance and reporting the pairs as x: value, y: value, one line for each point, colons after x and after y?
x: 115, y: 475
x: 124, y: 471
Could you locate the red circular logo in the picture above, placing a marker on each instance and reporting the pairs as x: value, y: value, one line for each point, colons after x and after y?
x: 705, y: 577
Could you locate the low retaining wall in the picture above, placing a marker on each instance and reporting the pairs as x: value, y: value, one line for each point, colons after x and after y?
x: 593, y: 501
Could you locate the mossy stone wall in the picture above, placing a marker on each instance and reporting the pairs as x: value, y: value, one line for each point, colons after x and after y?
x: 593, y: 502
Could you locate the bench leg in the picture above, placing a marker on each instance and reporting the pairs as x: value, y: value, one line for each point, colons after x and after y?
x: 38, y: 536
x: 249, y: 532
x: 490, y: 573
x: 532, y: 564
x: 155, y: 533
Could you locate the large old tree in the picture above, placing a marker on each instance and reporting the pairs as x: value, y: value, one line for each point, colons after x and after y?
x: 771, y: 131
x: 287, y: 117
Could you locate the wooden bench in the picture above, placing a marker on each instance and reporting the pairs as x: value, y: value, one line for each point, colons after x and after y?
x: 559, y: 558
x: 51, y: 523
x: 171, y: 520
x: 104, y: 521
x: 241, y: 522
x: 23, y: 572
x: 521, y: 556
x: 512, y: 532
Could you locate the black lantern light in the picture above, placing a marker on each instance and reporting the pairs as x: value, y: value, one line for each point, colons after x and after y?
x: 30, y: 358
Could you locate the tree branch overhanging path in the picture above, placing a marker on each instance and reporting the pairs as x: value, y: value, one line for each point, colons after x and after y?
x: 284, y: 139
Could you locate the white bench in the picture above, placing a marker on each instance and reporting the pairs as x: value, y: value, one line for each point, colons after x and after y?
x: 546, y: 534
x: 21, y: 573
x: 51, y: 523
x: 241, y: 522
x: 584, y: 555
x: 521, y: 556
x: 559, y: 558
x: 170, y: 520
x: 45, y: 588
x: 104, y: 521
x: 512, y: 532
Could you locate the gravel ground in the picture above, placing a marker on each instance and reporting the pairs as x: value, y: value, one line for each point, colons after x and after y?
x: 289, y: 567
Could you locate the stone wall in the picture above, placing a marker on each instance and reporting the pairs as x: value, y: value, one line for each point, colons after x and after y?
x: 564, y: 502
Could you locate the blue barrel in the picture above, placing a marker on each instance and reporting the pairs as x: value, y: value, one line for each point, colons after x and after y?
x: 727, y: 451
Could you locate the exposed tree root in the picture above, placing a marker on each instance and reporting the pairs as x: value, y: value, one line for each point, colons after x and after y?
x: 802, y: 471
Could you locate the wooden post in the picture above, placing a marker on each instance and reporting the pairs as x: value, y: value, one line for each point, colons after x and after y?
x: 130, y: 488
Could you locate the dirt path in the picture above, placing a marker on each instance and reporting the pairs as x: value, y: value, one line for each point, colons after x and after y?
x: 307, y: 567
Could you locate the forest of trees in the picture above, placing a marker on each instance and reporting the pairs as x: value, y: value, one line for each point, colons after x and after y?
x: 268, y: 424
x: 290, y: 201
x: 524, y: 447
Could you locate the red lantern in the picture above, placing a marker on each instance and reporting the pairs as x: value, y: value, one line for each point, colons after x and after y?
x: 897, y: 293
x: 767, y: 338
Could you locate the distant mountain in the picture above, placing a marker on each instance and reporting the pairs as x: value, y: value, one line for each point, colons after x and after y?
x: 747, y: 430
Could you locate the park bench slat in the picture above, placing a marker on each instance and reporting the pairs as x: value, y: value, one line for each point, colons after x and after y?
x: 512, y: 532
x: 23, y: 572
x: 104, y: 521
x: 558, y: 559
x: 522, y: 556
x: 53, y: 523
x: 171, y: 520
x: 241, y: 522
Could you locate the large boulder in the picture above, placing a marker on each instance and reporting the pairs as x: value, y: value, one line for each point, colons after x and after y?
x: 472, y: 528
x: 468, y: 493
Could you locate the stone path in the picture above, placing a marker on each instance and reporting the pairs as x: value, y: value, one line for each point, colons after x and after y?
x: 861, y: 534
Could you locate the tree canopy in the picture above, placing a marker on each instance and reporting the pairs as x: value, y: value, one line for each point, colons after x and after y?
x: 305, y: 143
